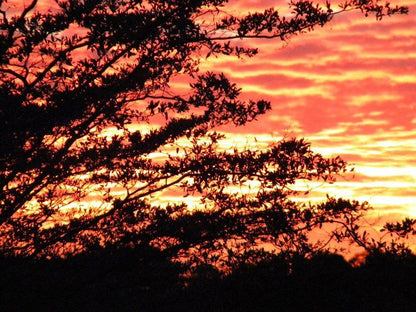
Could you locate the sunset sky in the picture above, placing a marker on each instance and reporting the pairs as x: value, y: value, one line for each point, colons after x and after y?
x: 350, y: 89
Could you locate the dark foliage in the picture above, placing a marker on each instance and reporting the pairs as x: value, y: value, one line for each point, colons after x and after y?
x: 74, y: 73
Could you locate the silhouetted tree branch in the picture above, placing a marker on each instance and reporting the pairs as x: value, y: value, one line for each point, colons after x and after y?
x: 78, y: 83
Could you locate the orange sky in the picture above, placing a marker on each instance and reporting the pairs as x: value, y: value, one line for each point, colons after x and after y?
x: 350, y: 89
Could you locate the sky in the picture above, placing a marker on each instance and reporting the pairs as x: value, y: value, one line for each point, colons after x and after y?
x: 348, y: 88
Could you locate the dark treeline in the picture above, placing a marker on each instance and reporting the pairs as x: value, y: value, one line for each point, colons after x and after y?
x: 143, y: 280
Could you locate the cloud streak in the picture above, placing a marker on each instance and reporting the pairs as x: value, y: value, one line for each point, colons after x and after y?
x: 350, y: 88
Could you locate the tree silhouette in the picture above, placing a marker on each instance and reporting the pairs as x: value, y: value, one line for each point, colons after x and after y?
x: 71, y: 74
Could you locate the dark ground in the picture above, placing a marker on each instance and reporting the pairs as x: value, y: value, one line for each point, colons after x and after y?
x: 142, y: 280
